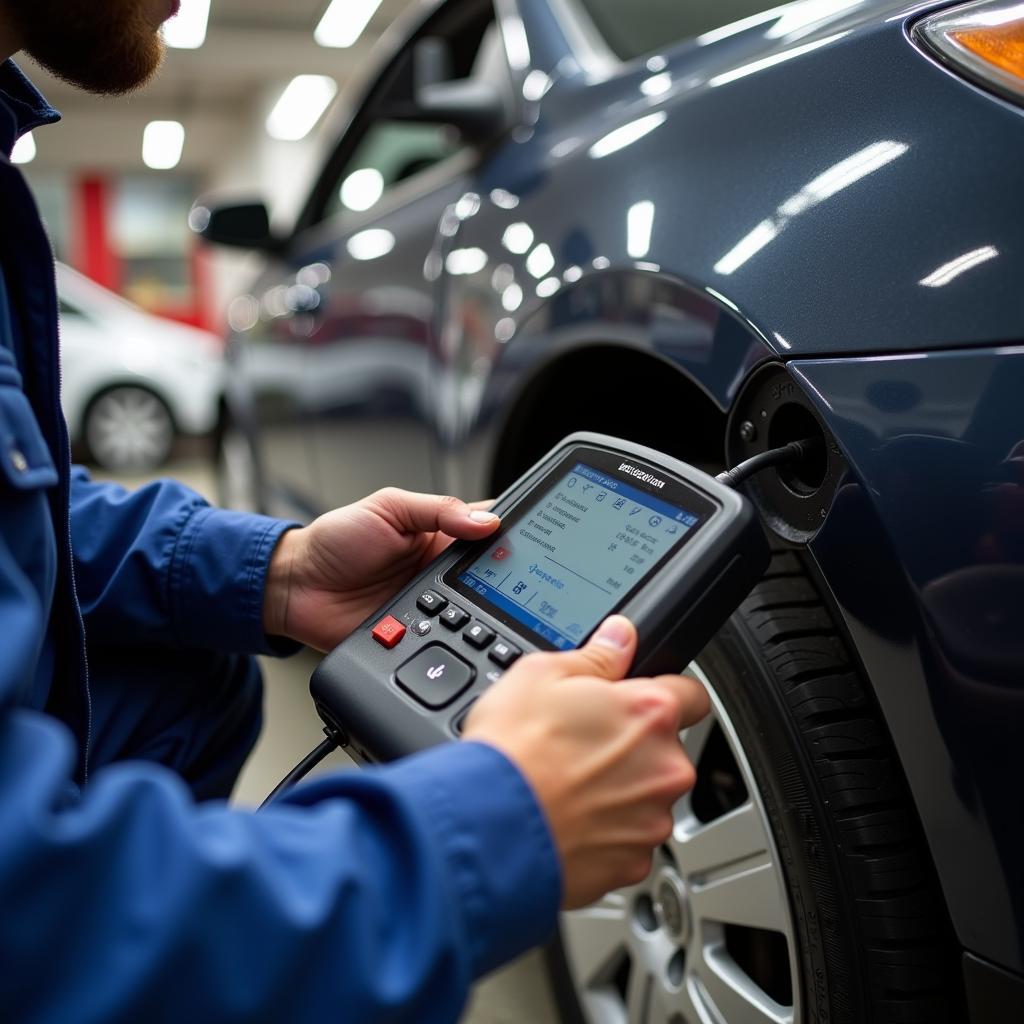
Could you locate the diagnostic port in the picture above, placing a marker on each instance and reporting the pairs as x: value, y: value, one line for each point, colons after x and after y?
x: 771, y: 411
x: 792, y: 422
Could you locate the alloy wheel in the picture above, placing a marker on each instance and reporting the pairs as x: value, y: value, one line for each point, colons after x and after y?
x: 129, y: 428
x: 707, y: 937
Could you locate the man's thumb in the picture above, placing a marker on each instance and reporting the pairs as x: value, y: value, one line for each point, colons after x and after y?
x: 609, y: 652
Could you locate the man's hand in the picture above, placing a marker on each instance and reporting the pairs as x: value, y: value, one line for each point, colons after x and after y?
x: 603, y: 758
x: 325, y: 579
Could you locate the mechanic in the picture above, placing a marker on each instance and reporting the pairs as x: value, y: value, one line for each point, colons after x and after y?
x: 130, y: 890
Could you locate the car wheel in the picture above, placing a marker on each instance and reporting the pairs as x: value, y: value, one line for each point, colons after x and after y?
x: 237, y: 475
x: 796, y: 886
x: 128, y: 428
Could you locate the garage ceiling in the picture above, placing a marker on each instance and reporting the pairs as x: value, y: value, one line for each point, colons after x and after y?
x: 252, y: 48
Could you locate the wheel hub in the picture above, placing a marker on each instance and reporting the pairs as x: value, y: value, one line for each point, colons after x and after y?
x: 672, y: 905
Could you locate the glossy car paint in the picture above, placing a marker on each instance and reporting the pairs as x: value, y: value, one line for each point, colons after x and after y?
x: 812, y: 181
x: 924, y: 551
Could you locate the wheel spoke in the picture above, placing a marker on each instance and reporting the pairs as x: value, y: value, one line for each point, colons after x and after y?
x: 736, y: 836
x: 695, y: 738
x: 724, y: 993
x: 595, y: 939
x: 638, y: 995
x: 670, y: 1006
x: 748, y: 895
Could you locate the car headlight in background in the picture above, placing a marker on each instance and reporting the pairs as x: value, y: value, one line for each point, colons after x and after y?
x: 983, y: 40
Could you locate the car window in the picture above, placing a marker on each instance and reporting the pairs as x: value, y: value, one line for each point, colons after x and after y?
x: 387, y: 148
x: 389, y: 153
x: 643, y: 26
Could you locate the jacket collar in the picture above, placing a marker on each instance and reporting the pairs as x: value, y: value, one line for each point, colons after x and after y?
x: 22, y: 106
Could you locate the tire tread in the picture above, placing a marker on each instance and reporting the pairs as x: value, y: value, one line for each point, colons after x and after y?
x: 895, y: 893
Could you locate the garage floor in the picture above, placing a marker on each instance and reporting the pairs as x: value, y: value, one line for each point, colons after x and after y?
x: 517, y: 995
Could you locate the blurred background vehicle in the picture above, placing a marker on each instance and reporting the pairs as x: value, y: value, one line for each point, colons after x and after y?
x: 132, y: 382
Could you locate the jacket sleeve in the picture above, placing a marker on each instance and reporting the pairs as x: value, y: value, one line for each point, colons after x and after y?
x: 159, y: 565
x: 365, y: 896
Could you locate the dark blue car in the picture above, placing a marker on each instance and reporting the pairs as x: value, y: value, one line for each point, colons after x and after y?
x: 713, y: 229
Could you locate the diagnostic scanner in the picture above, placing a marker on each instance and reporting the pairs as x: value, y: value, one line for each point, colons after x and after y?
x: 599, y: 525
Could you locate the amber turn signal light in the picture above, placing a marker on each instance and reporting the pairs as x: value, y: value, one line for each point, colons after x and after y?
x: 983, y: 40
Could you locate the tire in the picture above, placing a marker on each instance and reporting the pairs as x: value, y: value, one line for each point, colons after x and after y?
x: 128, y: 429
x: 802, y: 792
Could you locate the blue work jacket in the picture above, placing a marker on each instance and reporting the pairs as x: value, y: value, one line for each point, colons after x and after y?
x: 364, y: 896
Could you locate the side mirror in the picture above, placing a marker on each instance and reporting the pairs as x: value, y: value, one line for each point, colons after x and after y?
x: 476, y: 107
x: 240, y: 225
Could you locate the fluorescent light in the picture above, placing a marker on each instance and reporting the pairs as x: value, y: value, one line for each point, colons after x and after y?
x: 518, y: 238
x: 656, y: 85
x: 548, y: 287
x: 301, y: 105
x: 748, y: 246
x: 838, y: 177
x: 718, y: 34
x: 954, y: 268
x: 466, y: 261
x: 505, y: 329
x: 502, y: 277
x: 639, y: 223
x: 770, y: 62
x: 541, y: 261
x: 842, y: 175
x: 467, y: 206
x: 362, y: 188
x: 627, y: 135
x: 162, y: 142
x: 503, y: 198
x: 536, y: 85
x: 512, y: 298
x: 370, y: 244
x: 517, y: 46
x: 187, y: 29
x: 24, y: 150
x: 801, y: 19
x: 343, y: 22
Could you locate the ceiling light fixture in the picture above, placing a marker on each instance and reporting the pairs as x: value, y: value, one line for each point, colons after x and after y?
x: 344, y: 21
x: 301, y: 105
x: 187, y: 29
x: 24, y: 150
x: 162, y: 143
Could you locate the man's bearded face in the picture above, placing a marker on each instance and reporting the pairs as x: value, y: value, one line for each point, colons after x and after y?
x: 105, y: 46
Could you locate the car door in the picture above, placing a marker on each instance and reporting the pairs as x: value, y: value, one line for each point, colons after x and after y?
x: 363, y: 301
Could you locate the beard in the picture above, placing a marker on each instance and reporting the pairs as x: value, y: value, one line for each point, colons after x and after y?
x: 108, y: 47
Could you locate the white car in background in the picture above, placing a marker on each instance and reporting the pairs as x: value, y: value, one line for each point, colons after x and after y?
x: 132, y: 381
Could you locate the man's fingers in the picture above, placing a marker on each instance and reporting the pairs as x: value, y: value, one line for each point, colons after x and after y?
x: 426, y: 513
x: 608, y: 653
x: 689, y: 698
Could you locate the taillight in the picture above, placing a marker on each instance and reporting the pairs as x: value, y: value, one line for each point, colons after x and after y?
x: 983, y: 40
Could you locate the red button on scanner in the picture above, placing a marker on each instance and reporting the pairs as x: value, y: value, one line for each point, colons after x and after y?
x: 388, y: 631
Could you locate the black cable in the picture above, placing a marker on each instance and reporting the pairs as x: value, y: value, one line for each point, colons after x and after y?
x: 307, y: 764
x: 792, y: 452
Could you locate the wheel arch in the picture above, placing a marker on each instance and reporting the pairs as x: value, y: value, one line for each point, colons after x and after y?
x: 670, y: 411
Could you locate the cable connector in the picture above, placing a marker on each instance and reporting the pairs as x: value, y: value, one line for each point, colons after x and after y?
x: 795, y: 451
